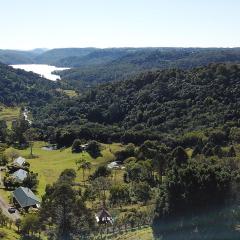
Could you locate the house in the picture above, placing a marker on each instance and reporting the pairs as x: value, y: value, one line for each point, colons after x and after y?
x: 104, y: 217
x: 25, y: 198
x: 19, y: 161
x: 20, y: 175
x: 84, y: 146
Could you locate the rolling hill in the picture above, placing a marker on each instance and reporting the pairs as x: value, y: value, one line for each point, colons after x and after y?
x: 150, y: 106
x: 20, y: 87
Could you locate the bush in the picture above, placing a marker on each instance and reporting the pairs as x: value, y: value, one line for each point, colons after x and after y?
x: 101, y: 171
x: 142, y: 191
x: 76, y: 146
x: 94, y: 149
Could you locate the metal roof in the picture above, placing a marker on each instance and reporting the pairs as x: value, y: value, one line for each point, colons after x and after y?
x: 25, y: 197
x: 19, y: 161
x: 20, y: 174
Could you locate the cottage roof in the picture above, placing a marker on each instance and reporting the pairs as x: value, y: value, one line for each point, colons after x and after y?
x: 104, y: 216
x: 20, y: 174
x: 25, y: 197
x: 19, y: 161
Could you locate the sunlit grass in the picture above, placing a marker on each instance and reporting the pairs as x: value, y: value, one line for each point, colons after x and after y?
x: 49, y: 164
x: 10, y: 233
x: 9, y: 114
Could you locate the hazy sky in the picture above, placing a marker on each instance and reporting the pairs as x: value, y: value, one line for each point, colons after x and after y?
x: 27, y: 24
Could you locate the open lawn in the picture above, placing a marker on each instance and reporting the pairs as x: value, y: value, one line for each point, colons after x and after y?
x: 138, y: 234
x: 9, y: 234
x: 9, y: 114
x: 49, y: 164
x: 70, y: 93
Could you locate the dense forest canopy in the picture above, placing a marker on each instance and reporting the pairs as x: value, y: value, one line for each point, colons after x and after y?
x: 97, y: 67
x: 19, y: 87
x: 90, y: 66
x: 151, y: 104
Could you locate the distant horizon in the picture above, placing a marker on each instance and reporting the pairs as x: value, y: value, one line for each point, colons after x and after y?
x: 47, y: 49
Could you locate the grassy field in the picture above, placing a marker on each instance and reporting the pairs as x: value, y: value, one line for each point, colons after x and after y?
x: 141, y: 234
x: 70, y: 93
x: 9, y: 114
x: 10, y: 234
x: 49, y: 164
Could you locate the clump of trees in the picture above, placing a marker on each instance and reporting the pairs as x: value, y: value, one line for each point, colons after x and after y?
x: 194, y: 185
x: 63, y: 210
x: 76, y: 146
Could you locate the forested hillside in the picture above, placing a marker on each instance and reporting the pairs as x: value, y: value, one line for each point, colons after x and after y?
x: 16, y: 57
x: 150, y: 105
x: 20, y: 87
x: 55, y: 56
x: 140, y: 60
x: 91, y: 66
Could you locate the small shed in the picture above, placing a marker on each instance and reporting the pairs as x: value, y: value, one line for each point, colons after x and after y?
x: 19, y: 161
x: 20, y: 175
x: 25, y: 197
x: 104, y: 217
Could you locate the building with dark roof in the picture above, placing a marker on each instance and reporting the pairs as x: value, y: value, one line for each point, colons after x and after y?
x: 104, y: 216
x: 25, y: 198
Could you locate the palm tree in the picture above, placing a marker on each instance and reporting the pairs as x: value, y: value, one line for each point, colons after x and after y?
x: 82, y: 165
x: 88, y: 166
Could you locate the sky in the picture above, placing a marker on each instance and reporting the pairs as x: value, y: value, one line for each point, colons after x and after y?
x: 29, y: 24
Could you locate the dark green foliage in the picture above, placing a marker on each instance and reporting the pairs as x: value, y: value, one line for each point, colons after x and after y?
x: 68, y: 175
x: 218, y: 137
x: 119, y: 194
x: 142, y: 191
x: 3, y: 159
x: 20, y: 87
x: 234, y: 134
x: 101, y: 171
x: 19, y: 127
x: 31, y: 181
x: 208, y: 150
x: 217, y: 150
x: 231, y: 152
x: 118, y: 64
x: 63, y: 208
x: 76, y: 146
x: 194, y: 186
x: 94, y: 149
x: 3, y: 131
x: 197, y: 150
x: 128, y: 152
x: 155, y: 105
x: 139, y: 171
x: 179, y: 156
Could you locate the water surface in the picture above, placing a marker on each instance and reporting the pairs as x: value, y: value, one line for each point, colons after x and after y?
x: 44, y: 70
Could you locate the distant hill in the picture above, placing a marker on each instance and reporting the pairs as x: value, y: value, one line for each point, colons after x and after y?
x: 91, y: 66
x: 39, y: 51
x: 141, y: 60
x: 20, y: 87
x: 55, y: 56
x: 96, y: 57
x: 16, y: 57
